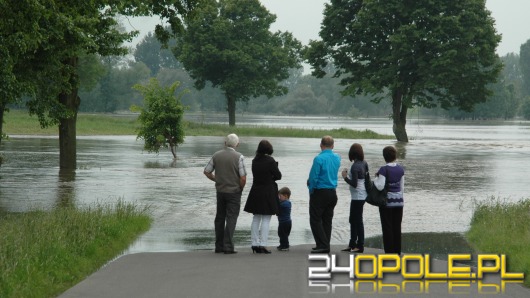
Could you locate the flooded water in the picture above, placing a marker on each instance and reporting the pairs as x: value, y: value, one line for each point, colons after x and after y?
x: 448, y: 166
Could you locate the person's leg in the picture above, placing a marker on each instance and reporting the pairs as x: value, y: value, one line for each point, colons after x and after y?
x: 264, y: 231
x: 316, y: 209
x: 254, y: 230
x: 233, y: 204
x: 397, y: 217
x: 327, y: 216
x: 288, y: 226
x: 282, y: 234
x: 219, y: 222
x: 386, y: 227
x: 353, y: 230
x: 358, y: 225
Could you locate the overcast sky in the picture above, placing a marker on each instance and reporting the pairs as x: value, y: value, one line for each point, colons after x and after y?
x: 303, y: 18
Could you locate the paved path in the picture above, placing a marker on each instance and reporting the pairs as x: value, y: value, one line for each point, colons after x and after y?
x: 280, y: 274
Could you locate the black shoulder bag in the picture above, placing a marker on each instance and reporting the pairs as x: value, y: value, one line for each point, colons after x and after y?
x: 375, y: 196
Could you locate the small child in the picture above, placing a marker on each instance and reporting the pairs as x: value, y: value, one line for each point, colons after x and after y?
x: 284, y: 218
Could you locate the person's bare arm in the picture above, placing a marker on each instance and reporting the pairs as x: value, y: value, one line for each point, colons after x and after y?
x: 242, y: 181
x: 210, y: 176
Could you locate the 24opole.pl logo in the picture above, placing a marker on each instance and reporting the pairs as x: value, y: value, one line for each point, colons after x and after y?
x: 367, y: 273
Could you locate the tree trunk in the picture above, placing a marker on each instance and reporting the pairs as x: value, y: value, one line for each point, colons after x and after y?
x: 399, y: 116
x: 67, y: 126
x: 173, y: 148
x: 231, y: 106
x: 2, y: 110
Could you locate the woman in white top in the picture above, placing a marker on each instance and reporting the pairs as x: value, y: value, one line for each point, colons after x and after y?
x: 355, y: 178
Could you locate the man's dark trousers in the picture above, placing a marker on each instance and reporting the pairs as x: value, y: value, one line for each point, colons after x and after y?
x: 228, y: 205
x: 321, y: 206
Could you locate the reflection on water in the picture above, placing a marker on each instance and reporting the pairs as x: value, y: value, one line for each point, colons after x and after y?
x: 437, y: 245
x: 443, y: 176
x: 205, y: 238
x: 66, y: 188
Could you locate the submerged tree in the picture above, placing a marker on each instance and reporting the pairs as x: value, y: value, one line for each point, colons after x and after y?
x: 228, y: 43
x: 422, y: 53
x: 160, y: 117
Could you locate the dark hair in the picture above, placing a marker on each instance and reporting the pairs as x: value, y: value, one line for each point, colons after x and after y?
x: 264, y: 147
x: 327, y: 141
x: 356, y: 152
x: 389, y: 153
x: 285, y: 191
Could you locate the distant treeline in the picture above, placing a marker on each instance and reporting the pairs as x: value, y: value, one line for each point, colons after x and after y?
x: 107, y: 87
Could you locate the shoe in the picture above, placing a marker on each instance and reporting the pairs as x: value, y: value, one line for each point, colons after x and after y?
x: 348, y: 249
x: 218, y: 251
x: 281, y: 248
x: 357, y: 250
x: 320, y: 251
x: 256, y: 249
x: 229, y: 252
x: 264, y: 250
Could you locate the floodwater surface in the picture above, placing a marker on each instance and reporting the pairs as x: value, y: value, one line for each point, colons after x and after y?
x: 448, y: 167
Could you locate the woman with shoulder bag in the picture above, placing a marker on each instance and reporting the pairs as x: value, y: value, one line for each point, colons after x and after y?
x: 392, y: 214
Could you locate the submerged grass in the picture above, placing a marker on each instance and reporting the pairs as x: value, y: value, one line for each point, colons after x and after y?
x: 501, y: 227
x: 43, y: 253
x: 18, y: 122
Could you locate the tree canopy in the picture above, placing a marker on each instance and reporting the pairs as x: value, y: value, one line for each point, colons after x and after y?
x: 154, y: 54
x: 422, y: 53
x: 524, y: 62
x: 42, y: 41
x: 228, y: 43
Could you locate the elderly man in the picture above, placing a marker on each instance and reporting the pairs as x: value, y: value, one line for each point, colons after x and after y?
x: 230, y: 178
x: 322, y: 183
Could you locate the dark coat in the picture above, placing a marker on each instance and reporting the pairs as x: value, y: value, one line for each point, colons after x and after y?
x: 263, y: 195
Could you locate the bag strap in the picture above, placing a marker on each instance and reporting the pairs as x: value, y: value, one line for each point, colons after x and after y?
x: 386, y: 178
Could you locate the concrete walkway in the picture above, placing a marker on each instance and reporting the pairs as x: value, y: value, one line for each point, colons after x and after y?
x: 280, y: 274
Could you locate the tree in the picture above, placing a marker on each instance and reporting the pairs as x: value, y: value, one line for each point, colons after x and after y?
x: 421, y: 53
x: 228, y: 43
x: 44, y: 40
x: 161, y: 116
x: 151, y: 52
x: 524, y: 61
x: 525, y: 109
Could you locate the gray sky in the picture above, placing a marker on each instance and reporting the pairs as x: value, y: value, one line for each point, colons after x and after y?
x: 303, y: 18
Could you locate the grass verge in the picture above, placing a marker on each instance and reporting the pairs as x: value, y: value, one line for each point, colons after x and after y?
x: 43, y: 253
x: 196, y: 129
x: 500, y: 227
x: 18, y: 122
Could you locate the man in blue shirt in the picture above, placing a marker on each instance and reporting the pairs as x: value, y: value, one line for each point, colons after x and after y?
x: 322, y: 183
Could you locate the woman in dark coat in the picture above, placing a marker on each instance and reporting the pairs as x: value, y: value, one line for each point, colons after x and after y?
x: 262, y: 199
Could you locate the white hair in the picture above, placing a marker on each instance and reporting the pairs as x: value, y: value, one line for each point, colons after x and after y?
x: 232, y: 140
